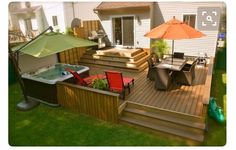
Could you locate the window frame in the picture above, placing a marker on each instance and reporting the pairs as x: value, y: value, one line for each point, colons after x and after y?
x: 189, y: 14
x: 134, y: 28
x: 55, y: 19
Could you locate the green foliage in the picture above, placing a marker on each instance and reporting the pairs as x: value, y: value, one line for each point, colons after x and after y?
x: 69, y: 31
x: 58, y: 30
x: 217, y: 132
x: 160, y: 47
x: 100, y: 84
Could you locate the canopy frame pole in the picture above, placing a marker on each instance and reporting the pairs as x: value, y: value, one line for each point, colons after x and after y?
x: 49, y: 28
x: 172, y: 50
x: 26, y: 104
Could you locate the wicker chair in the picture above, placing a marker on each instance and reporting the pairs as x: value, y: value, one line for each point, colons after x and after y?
x: 186, y: 76
x: 163, y: 78
x: 151, y: 70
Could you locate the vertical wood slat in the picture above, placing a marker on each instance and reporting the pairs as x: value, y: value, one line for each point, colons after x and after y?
x: 91, y: 25
x: 72, y: 56
x: 88, y: 101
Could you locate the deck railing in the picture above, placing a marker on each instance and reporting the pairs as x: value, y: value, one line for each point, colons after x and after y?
x: 100, y: 104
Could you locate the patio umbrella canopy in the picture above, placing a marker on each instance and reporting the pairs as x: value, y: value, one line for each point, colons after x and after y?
x: 51, y: 43
x: 174, y: 30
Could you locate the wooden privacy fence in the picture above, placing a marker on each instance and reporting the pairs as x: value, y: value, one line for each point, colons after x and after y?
x: 91, y: 25
x: 73, y: 55
x: 100, y: 104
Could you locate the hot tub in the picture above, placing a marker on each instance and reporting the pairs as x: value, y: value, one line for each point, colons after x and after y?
x: 41, y: 84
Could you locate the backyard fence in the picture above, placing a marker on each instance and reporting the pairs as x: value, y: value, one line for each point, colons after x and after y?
x: 100, y: 104
x: 91, y: 25
x: 73, y: 55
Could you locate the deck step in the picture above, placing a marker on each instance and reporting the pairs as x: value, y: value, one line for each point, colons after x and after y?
x: 158, y: 120
x: 171, y: 119
x: 160, y: 128
x: 152, y: 109
x: 135, y: 61
x: 113, y: 52
x: 105, y: 63
x: 110, y: 67
x: 116, y: 59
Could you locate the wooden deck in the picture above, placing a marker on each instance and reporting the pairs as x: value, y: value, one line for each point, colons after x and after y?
x: 179, y: 98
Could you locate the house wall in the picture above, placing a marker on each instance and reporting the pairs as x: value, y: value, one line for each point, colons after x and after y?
x: 69, y: 13
x: 165, y: 11
x: 12, y: 18
x: 29, y: 63
x: 50, y: 9
x: 139, y: 28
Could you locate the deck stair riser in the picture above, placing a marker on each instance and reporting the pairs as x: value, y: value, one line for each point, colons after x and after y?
x: 135, y: 60
x: 117, y: 62
x: 167, y: 112
x: 161, y: 130
x: 112, y: 58
x: 163, y: 121
x: 119, y: 52
x: 107, y: 67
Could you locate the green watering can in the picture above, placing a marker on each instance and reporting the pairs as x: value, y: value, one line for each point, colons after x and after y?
x: 215, y: 111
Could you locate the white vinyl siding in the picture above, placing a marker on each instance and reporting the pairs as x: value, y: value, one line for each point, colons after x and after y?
x: 205, y: 44
x: 47, y: 11
x: 141, y: 29
x: 29, y: 63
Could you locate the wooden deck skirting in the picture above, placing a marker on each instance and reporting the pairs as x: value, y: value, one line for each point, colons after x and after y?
x: 207, y: 90
x: 100, y: 104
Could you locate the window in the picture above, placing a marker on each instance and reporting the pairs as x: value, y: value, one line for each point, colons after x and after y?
x: 54, y: 20
x: 189, y: 20
x: 34, y: 24
x: 123, y: 30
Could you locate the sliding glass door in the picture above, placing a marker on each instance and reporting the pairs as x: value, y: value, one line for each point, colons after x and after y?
x: 123, y: 31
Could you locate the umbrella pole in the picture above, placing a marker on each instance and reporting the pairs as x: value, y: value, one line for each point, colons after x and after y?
x: 172, y: 50
x: 26, y: 104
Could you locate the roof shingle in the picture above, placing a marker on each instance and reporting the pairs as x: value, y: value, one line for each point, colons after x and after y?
x: 117, y: 5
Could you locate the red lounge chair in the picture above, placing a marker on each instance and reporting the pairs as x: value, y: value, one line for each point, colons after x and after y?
x: 84, y: 81
x: 118, y: 83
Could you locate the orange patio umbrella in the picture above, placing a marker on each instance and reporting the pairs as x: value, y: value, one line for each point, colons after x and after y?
x: 174, y: 30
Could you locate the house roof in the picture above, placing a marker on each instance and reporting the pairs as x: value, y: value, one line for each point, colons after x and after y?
x: 118, y: 5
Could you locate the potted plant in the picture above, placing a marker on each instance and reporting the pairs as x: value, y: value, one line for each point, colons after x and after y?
x: 100, y: 84
x: 160, y: 47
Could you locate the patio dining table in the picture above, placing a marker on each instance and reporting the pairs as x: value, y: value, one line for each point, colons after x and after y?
x: 177, y: 64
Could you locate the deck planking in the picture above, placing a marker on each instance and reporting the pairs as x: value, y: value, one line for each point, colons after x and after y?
x: 178, y: 98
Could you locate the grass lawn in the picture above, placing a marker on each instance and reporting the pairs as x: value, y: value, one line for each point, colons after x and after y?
x: 45, y: 125
x: 217, y: 132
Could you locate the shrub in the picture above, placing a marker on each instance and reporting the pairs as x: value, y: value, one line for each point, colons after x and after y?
x: 160, y: 48
x: 100, y: 84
